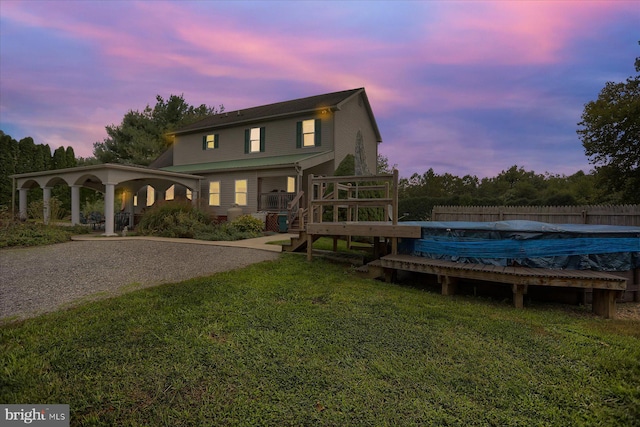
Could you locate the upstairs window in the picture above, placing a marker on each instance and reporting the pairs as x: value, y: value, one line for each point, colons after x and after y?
x: 308, y: 133
x: 210, y: 142
x: 254, y: 140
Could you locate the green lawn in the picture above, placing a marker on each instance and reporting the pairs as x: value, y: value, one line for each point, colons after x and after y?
x: 291, y: 343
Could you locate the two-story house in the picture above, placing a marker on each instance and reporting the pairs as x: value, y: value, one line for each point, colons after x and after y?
x: 258, y: 158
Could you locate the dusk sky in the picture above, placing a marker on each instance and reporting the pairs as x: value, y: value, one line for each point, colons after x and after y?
x: 465, y: 87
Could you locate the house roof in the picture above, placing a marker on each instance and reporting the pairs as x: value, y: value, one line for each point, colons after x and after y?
x: 304, y: 160
x: 294, y: 107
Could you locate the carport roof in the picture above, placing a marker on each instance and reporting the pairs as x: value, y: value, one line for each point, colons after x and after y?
x: 142, y: 170
x: 108, y: 173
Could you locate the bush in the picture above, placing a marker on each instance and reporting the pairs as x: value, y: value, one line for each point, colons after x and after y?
x: 173, y: 219
x: 18, y: 234
x: 248, y: 224
x: 181, y: 219
x: 35, y: 210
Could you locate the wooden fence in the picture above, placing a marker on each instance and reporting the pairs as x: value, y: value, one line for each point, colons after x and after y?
x: 589, y: 214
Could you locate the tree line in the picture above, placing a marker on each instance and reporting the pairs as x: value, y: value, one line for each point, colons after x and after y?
x: 26, y: 156
x: 418, y: 194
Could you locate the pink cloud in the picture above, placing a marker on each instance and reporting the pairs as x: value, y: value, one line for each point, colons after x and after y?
x: 512, y: 32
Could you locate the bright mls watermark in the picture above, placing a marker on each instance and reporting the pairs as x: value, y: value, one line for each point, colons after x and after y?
x: 37, y: 415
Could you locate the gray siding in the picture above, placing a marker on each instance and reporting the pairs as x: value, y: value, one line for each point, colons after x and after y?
x: 270, y: 180
x: 349, y: 120
x: 338, y: 132
x: 280, y: 139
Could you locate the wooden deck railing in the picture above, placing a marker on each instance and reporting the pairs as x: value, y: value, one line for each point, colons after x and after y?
x: 347, y: 194
x: 295, y: 212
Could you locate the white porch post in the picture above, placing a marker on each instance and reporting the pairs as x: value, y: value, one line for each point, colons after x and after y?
x: 109, y: 196
x: 22, y: 204
x: 75, y: 204
x: 46, y: 197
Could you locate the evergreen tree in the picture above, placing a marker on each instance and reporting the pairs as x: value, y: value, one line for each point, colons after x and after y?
x: 142, y: 136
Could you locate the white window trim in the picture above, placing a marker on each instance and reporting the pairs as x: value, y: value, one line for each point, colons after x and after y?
x: 311, y: 135
x: 214, y: 193
x: 237, y: 193
x: 254, y: 140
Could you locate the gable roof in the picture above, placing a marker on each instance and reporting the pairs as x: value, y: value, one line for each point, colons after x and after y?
x: 294, y: 107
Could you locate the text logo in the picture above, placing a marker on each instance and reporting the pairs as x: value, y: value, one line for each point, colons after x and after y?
x: 36, y: 415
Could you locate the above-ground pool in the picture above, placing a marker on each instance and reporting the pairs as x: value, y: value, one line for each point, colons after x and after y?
x: 529, y: 243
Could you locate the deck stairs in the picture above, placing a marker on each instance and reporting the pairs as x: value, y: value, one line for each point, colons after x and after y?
x: 296, y: 217
x: 298, y: 244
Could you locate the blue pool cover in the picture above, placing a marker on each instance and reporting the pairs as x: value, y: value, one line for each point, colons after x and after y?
x: 529, y: 243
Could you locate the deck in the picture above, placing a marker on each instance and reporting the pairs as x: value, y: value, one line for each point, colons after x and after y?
x: 605, y: 286
x: 365, y: 229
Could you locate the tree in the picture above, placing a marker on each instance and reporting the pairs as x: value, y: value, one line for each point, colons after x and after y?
x: 26, y: 156
x: 610, y: 135
x: 142, y: 136
x: 383, y: 167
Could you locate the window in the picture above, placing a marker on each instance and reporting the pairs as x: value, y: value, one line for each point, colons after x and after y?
x: 214, y: 193
x: 170, y: 193
x: 151, y: 195
x: 241, y: 192
x: 189, y: 194
x: 308, y: 133
x: 254, y: 140
x: 210, y: 142
x: 291, y: 184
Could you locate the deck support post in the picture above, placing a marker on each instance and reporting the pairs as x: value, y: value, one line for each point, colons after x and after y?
x: 388, y: 274
x: 604, y: 303
x: 309, y: 247
x: 449, y: 285
x: 394, y: 245
x: 518, y: 295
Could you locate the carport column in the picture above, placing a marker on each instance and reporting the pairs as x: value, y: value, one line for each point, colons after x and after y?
x: 194, y: 197
x: 22, y: 204
x: 109, y: 196
x: 46, y: 198
x: 75, y: 204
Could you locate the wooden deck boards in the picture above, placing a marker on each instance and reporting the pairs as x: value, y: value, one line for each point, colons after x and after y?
x: 606, y: 286
x: 513, y: 275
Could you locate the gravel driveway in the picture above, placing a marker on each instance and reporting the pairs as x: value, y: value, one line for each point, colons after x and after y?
x: 46, y: 278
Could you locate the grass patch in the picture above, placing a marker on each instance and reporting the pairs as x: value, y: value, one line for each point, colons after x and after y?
x: 291, y: 343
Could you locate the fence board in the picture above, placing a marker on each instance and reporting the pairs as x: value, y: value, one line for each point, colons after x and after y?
x: 586, y: 214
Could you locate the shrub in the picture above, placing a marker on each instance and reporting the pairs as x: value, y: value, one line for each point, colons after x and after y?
x: 35, y: 209
x: 173, y: 219
x: 18, y: 234
x: 248, y: 224
x: 93, y: 206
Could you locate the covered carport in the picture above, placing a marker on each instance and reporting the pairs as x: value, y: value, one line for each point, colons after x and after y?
x: 104, y: 178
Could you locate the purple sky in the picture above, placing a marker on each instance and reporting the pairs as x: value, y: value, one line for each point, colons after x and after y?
x: 465, y: 87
